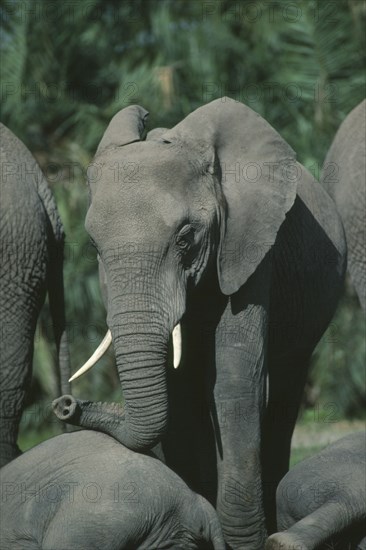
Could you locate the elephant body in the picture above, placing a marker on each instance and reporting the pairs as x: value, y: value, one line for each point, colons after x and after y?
x: 343, y: 176
x: 321, y: 502
x: 213, y: 225
x: 85, y: 490
x: 31, y: 248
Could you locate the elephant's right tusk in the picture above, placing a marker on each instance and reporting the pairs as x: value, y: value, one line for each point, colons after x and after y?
x: 177, y: 345
x: 99, y: 352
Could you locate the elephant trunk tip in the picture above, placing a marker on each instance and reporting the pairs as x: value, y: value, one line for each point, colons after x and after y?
x: 65, y: 407
x: 110, y: 419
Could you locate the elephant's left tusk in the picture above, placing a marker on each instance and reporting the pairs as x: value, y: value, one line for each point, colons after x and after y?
x: 177, y: 345
x: 99, y: 352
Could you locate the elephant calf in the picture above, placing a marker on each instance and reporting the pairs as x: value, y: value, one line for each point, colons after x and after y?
x: 85, y: 490
x: 322, y: 500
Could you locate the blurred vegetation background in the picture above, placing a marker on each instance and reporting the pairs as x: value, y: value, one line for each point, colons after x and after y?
x: 67, y: 68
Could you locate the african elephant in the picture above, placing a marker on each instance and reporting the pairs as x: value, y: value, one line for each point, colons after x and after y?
x: 31, y: 250
x: 322, y: 500
x: 92, y: 492
x: 211, y: 230
x: 343, y: 176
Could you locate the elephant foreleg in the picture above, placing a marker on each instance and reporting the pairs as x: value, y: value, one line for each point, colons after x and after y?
x: 16, y: 353
x: 310, y: 532
x: 21, y: 304
x: 239, y: 400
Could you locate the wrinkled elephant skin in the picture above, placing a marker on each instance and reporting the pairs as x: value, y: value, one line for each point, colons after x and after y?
x: 94, y: 493
x: 214, y: 225
x: 31, y: 263
x: 321, y: 502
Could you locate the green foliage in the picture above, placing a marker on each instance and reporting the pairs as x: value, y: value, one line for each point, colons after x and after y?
x: 297, y: 455
x: 68, y: 67
x: 317, y: 428
x: 338, y: 376
x: 85, y: 310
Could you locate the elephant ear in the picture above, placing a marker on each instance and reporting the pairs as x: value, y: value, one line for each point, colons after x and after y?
x: 125, y: 127
x: 256, y: 170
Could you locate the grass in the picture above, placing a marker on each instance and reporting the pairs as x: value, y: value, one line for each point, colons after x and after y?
x: 312, y: 433
x: 38, y: 424
x: 300, y: 453
x: 30, y: 437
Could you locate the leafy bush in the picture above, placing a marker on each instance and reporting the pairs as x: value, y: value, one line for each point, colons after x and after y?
x: 337, y: 375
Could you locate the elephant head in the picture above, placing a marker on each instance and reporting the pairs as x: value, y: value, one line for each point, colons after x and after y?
x: 164, y: 212
x: 141, y: 503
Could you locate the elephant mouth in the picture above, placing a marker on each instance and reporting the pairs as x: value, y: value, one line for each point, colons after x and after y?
x: 107, y: 341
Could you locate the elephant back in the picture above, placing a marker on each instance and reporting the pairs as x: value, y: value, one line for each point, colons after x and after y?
x: 24, y: 189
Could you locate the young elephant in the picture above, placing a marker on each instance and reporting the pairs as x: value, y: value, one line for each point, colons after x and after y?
x: 31, y: 263
x: 85, y: 490
x: 343, y: 176
x: 211, y: 231
x: 322, y: 500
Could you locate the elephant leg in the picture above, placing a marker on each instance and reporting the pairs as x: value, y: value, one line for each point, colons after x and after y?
x: 287, y: 376
x: 239, y: 401
x: 311, y: 531
x: 16, y: 362
x: 15, y: 375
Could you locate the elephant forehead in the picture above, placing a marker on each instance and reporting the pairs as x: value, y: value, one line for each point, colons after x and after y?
x: 142, y: 187
x: 140, y: 214
x: 156, y: 166
x: 138, y: 207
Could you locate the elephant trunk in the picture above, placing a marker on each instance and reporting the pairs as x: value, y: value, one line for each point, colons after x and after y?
x: 141, y: 354
x: 141, y: 346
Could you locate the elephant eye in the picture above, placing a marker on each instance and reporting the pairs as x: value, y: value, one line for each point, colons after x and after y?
x: 185, y: 237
